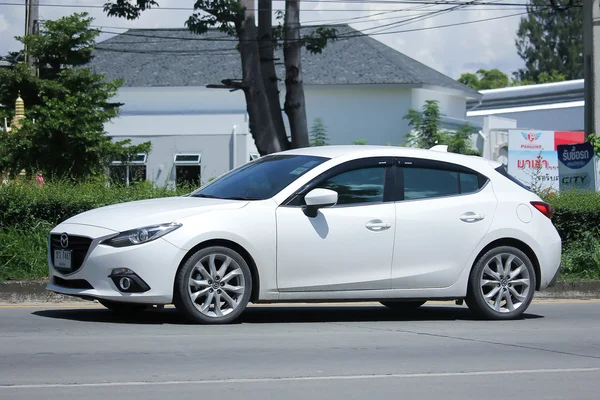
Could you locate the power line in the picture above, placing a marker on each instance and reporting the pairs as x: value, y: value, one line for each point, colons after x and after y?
x: 380, y: 2
x: 429, y: 15
x: 343, y: 37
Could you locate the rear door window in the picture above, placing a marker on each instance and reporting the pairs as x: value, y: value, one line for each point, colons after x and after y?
x: 425, y: 179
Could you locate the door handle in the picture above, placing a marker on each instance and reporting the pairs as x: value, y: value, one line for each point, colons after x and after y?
x: 471, y: 217
x: 377, y: 225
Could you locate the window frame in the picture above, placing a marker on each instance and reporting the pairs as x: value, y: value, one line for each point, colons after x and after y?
x: 297, y: 198
x: 195, y: 162
x: 403, y: 163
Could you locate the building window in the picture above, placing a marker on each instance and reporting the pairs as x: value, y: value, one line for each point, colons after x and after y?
x: 126, y: 174
x: 187, y: 169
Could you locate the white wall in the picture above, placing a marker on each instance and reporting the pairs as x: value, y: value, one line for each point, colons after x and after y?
x: 161, y: 125
x: 551, y: 119
x: 452, y: 106
x: 370, y: 112
x: 373, y: 113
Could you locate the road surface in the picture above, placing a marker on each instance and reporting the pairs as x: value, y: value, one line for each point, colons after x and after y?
x: 301, y: 352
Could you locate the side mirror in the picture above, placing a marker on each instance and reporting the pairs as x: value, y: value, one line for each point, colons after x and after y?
x: 319, y: 198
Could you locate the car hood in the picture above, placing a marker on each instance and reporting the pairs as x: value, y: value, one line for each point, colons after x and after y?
x: 136, y: 214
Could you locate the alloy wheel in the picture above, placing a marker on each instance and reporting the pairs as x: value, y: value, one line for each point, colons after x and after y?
x: 505, y: 283
x: 216, y: 285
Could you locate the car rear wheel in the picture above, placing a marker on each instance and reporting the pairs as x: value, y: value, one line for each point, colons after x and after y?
x: 502, y: 284
x: 403, y: 305
x: 213, y: 286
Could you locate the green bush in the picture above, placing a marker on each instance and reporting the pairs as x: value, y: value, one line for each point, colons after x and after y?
x: 24, y: 204
x: 576, y: 214
x: 581, y: 258
x: 28, y: 213
x: 577, y: 219
x: 23, y: 252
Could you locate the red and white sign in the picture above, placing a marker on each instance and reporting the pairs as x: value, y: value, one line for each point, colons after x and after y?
x: 532, y: 156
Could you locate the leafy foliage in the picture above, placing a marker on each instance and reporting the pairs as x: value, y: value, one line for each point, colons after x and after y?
x: 28, y: 213
x: 576, y: 216
x: 485, y: 79
x: 427, y: 132
x: 550, y: 43
x: 425, y: 125
x: 318, y: 133
x: 359, y: 142
x: 63, y: 43
x: 67, y: 106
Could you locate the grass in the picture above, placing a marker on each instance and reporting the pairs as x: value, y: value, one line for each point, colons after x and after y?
x: 23, y: 254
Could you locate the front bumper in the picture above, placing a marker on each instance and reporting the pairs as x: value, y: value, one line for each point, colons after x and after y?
x: 152, y: 267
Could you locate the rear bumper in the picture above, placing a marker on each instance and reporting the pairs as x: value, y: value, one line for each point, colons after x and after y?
x: 555, y: 277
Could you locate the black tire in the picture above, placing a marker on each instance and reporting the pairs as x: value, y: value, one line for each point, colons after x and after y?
x: 475, y: 297
x: 403, y: 305
x: 123, y: 308
x: 184, y: 303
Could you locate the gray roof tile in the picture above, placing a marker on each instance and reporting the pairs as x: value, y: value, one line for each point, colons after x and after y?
x: 176, y: 57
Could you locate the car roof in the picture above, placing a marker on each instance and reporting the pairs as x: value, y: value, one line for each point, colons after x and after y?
x: 359, y: 151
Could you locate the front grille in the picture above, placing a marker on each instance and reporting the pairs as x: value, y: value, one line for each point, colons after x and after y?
x: 72, y: 283
x: 79, y: 247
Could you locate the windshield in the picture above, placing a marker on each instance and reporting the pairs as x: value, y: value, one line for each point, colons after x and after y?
x: 260, y: 179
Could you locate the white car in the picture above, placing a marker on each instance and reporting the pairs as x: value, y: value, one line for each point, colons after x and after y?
x: 337, y: 223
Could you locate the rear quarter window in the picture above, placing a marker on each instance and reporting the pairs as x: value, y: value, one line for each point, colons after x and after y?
x: 502, y: 171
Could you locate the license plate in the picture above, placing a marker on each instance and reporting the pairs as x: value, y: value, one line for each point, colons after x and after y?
x: 62, y: 259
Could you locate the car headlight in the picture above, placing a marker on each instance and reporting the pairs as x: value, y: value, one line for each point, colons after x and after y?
x: 140, y: 235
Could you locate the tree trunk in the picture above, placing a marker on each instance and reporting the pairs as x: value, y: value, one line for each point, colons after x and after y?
x: 262, y: 126
x: 267, y: 63
x: 294, y: 106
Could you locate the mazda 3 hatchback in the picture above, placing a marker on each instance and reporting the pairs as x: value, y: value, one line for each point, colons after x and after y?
x: 395, y: 225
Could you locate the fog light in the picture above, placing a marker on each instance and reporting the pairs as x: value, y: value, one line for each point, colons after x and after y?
x: 128, y: 281
x: 125, y: 283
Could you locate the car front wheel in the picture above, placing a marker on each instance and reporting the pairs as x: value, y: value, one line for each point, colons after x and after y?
x: 213, y: 286
x: 502, y: 284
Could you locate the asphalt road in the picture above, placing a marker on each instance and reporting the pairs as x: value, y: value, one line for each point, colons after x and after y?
x: 302, y: 352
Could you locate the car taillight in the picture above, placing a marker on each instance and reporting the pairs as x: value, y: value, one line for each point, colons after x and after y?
x: 543, y: 207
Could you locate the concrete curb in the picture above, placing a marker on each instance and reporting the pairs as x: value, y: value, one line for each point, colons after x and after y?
x: 35, y: 291
x: 30, y: 291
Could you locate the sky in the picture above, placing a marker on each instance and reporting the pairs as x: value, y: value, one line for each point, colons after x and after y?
x: 450, y: 50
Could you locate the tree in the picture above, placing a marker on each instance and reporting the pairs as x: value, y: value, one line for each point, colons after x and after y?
x: 485, y: 79
x: 360, y: 142
x: 460, y: 141
x: 318, y: 133
x: 426, y: 131
x: 256, y: 46
x: 66, y: 106
x: 425, y: 125
x: 550, y: 42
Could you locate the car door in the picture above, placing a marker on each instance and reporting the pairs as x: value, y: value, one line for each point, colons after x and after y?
x: 443, y: 212
x: 345, y: 247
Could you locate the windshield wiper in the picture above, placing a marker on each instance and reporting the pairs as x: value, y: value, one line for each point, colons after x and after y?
x: 241, y: 198
x: 206, y: 196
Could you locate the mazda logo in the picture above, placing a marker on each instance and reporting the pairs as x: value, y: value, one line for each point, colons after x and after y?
x: 64, y: 240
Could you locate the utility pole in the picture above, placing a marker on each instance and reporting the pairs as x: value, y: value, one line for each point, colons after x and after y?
x: 32, y: 17
x: 591, y: 64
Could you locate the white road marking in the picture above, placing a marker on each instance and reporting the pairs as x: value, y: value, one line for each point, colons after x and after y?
x: 301, y: 378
